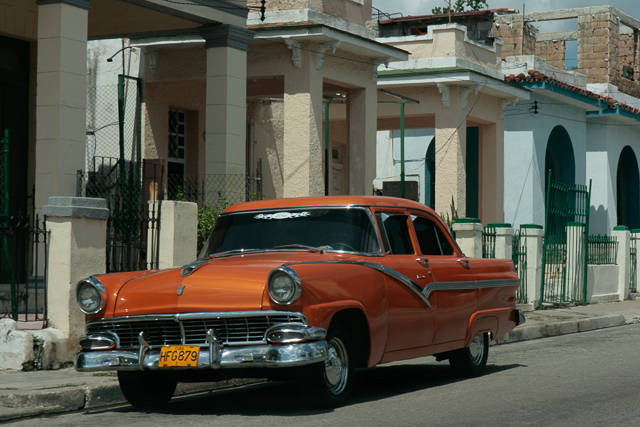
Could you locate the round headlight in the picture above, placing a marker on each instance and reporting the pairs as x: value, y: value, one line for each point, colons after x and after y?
x: 89, y: 295
x: 284, y: 286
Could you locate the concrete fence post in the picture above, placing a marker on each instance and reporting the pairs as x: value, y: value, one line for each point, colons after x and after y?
x: 469, y: 236
x: 533, y: 235
x: 178, y: 240
x: 623, y: 236
x: 575, y: 262
x: 77, y: 249
x: 504, y: 240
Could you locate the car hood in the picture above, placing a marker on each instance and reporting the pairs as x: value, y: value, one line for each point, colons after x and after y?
x: 227, y: 283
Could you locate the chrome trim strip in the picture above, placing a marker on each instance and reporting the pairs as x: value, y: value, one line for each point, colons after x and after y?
x: 417, y: 289
x: 471, y: 284
x: 263, y: 356
x: 202, y: 315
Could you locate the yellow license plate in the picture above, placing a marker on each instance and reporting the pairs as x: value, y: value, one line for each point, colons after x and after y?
x: 179, y: 355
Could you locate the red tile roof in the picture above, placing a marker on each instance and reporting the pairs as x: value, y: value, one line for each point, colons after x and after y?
x: 539, y: 77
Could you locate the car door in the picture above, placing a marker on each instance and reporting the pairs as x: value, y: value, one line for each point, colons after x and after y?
x: 411, y: 321
x: 452, y: 287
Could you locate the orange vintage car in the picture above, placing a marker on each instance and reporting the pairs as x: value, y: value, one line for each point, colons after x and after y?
x: 305, y: 289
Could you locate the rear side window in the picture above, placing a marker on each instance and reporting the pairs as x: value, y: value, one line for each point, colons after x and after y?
x: 431, y: 239
x: 395, y: 234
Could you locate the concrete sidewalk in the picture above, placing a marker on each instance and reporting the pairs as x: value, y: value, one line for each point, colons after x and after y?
x: 25, y: 394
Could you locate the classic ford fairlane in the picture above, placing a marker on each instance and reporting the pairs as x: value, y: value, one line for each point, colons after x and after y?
x: 304, y: 289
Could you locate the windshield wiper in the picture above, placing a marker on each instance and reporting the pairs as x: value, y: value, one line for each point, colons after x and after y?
x: 236, y: 251
x: 298, y: 246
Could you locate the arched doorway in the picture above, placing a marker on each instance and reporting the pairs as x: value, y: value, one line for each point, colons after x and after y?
x: 430, y: 175
x: 559, y: 158
x: 627, y: 189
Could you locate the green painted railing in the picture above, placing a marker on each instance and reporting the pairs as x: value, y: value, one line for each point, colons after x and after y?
x: 602, y: 250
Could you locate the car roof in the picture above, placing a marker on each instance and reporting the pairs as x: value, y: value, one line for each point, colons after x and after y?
x: 327, y: 201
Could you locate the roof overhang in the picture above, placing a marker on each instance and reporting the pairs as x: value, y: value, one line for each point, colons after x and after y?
x: 322, y: 34
x: 451, y: 76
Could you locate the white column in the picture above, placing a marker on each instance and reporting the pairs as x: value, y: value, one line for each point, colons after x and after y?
x: 303, y: 146
x: 451, y: 152
x: 226, y: 98
x: 635, y: 243
x: 623, y: 236
x: 61, y: 96
x: 469, y: 236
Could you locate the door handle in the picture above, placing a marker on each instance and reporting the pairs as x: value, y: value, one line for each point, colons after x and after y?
x: 423, y: 261
x: 464, y: 262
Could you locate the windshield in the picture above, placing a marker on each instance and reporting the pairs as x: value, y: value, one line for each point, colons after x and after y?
x: 342, y: 229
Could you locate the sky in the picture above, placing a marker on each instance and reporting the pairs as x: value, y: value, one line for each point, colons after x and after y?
x: 423, y: 7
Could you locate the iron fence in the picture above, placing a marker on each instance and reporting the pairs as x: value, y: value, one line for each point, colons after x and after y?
x: 132, y: 228
x: 519, y: 258
x: 633, y: 261
x: 489, y: 242
x: 23, y: 253
x: 602, y: 250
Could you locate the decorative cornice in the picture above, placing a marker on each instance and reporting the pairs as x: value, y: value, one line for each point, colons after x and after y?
x: 296, y: 54
x: 152, y: 56
x: 445, y: 91
x: 375, y: 63
x: 464, y: 94
x: 321, y: 48
x: 225, y: 35
x: 504, y: 103
x: 82, y: 4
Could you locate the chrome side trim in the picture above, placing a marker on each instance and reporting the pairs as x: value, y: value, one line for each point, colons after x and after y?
x: 263, y: 356
x: 472, y: 284
x: 417, y: 289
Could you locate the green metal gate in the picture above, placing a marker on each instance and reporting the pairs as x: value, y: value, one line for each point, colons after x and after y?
x: 565, y: 248
x: 115, y: 171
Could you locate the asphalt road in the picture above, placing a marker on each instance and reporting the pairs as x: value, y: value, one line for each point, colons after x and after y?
x: 585, y: 379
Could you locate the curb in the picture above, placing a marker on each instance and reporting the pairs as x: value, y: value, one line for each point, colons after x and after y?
x: 533, y: 332
x: 27, y: 404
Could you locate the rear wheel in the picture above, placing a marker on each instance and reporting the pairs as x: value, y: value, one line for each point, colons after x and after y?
x: 471, y: 361
x: 145, y: 388
x: 329, y: 384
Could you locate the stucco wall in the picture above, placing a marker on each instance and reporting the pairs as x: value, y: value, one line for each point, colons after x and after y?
x: 444, y: 41
x: 355, y: 11
x: 606, y: 139
x: 526, y: 138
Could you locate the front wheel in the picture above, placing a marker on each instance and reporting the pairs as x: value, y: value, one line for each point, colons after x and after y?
x: 143, y: 389
x: 471, y: 361
x: 329, y: 384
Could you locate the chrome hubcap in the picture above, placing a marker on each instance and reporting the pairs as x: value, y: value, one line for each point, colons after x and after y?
x: 336, y: 366
x: 476, y: 349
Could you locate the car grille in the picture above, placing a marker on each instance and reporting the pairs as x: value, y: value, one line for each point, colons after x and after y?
x: 159, y: 330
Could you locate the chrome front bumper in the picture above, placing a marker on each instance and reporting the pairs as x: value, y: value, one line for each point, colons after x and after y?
x: 262, y: 356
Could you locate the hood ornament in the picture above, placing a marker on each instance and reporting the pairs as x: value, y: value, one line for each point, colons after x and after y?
x: 180, y: 290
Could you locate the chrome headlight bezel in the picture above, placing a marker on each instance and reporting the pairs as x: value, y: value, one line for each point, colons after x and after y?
x: 100, y: 293
x: 289, y: 278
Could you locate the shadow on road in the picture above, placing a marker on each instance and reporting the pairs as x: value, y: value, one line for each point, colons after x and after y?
x: 282, y: 398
